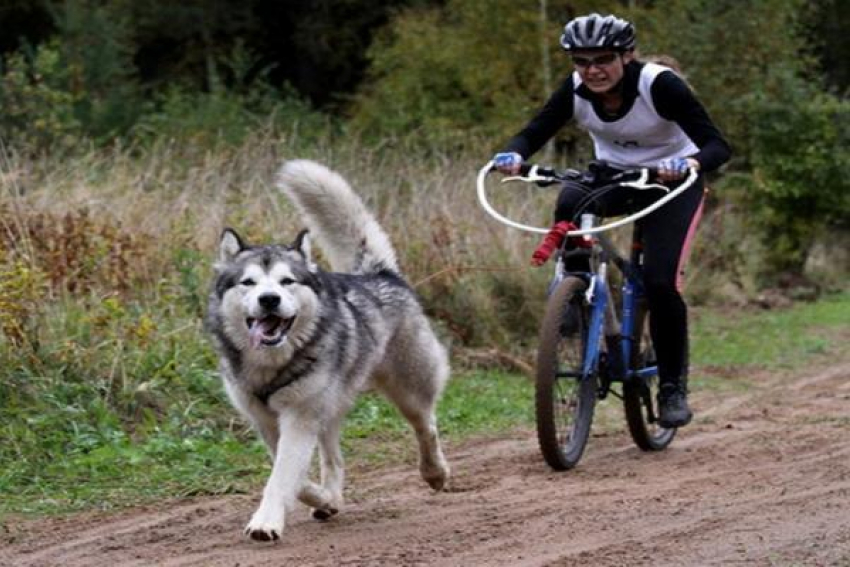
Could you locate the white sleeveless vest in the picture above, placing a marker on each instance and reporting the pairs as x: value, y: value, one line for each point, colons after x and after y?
x: 641, y: 137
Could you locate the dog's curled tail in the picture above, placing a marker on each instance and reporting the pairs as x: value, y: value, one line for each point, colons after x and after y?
x: 351, y: 238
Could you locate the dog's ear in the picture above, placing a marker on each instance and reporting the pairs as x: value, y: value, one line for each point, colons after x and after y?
x: 301, y: 244
x: 230, y: 245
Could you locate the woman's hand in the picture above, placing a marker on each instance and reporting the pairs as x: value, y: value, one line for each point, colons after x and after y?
x: 508, y: 162
x: 675, y: 168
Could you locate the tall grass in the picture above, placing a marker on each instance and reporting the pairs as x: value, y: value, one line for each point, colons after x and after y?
x: 169, y: 204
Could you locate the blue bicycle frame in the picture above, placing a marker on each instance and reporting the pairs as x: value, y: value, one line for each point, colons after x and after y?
x: 618, y: 336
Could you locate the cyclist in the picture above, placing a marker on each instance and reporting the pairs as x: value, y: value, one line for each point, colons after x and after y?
x: 638, y: 115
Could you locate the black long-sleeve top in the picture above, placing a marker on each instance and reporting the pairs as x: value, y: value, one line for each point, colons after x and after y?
x: 672, y: 97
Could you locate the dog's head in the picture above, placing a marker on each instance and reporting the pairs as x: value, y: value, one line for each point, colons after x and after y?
x: 263, y: 294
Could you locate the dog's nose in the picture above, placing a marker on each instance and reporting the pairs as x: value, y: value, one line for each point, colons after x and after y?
x: 269, y: 301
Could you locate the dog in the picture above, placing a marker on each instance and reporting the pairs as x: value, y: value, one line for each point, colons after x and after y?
x: 297, y: 343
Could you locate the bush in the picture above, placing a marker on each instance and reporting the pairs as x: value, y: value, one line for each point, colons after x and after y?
x: 441, y: 75
x: 38, y: 111
x: 223, y: 117
x: 800, y: 153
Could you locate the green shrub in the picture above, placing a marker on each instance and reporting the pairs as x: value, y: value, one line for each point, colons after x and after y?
x: 440, y: 75
x: 38, y: 111
x: 800, y: 152
x: 97, y: 51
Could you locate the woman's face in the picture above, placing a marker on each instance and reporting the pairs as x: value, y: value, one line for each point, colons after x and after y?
x: 600, y: 70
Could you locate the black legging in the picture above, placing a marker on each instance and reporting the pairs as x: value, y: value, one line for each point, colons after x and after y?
x: 667, y: 236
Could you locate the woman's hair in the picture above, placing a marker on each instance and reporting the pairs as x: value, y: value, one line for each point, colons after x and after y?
x: 667, y: 61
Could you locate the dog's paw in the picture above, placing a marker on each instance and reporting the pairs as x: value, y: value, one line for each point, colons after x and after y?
x: 324, y: 514
x: 325, y: 505
x: 260, y: 530
x: 436, y: 475
x: 262, y: 534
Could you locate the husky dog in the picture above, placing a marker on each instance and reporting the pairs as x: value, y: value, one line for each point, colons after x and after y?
x: 297, y: 343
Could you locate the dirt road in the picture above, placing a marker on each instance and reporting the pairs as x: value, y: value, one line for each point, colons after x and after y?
x: 761, y: 478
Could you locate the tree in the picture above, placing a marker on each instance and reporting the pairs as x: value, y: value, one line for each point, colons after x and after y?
x: 471, y: 67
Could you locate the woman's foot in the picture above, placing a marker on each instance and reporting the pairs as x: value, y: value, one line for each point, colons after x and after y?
x: 673, y: 406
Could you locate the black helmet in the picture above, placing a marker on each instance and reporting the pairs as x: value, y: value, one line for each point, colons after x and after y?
x: 598, y: 32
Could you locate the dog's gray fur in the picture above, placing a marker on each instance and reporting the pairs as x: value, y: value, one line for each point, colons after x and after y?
x: 298, y: 343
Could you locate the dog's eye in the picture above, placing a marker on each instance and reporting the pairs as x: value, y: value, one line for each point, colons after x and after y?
x: 287, y: 281
x: 248, y: 282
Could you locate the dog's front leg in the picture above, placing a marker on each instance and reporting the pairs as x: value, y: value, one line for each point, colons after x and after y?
x: 292, y: 460
x: 263, y: 420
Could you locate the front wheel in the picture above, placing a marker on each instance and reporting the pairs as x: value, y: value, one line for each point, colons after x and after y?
x: 564, y: 399
x: 640, y: 394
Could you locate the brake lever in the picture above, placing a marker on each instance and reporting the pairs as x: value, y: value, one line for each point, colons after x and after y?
x: 642, y: 182
x: 532, y: 177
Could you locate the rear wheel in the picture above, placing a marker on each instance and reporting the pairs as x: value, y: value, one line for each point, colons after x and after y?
x: 564, y: 400
x: 640, y: 394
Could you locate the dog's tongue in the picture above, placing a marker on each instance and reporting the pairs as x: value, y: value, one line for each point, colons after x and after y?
x: 259, y: 328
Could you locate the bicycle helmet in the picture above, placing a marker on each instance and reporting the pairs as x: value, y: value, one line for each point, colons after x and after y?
x: 598, y: 32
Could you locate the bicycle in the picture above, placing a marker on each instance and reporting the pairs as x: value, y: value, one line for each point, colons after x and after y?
x: 589, y: 340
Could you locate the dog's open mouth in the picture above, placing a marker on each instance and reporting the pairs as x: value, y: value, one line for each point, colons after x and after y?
x: 268, y: 331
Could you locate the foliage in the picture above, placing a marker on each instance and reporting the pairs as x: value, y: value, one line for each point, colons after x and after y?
x: 826, y: 24
x: 788, y: 135
x: 800, y: 152
x: 418, y: 85
x: 21, y: 291
x: 225, y: 116
x: 97, y: 51
x: 38, y: 109
x: 76, y: 252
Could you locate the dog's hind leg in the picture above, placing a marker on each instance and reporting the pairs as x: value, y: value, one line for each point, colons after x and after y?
x: 332, y: 464
x: 414, y: 383
x: 432, y: 463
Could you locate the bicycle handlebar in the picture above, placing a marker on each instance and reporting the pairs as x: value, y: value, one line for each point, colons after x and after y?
x: 531, y: 173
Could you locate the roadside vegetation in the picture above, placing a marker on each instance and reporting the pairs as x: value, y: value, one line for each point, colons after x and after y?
x: 116, y: 181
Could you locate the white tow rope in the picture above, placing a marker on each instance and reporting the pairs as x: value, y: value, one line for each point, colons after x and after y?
x: 640, y: 184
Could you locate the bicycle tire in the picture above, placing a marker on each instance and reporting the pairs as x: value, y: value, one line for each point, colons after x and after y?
x: 564, y: 406
x: 640, y: 395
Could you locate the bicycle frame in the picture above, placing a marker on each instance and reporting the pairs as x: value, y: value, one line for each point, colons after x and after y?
x: 618, y: 335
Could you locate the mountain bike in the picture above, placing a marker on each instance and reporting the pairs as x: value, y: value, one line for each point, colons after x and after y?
x: 589, y: 338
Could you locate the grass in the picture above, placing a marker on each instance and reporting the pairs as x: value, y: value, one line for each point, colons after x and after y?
x: 773, y: 339
x: 65, y: 461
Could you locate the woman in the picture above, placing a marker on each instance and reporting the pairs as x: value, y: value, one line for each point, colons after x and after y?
x: 638, y: 114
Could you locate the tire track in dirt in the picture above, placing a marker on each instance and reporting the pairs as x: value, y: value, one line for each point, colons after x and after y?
x: 761, y: 478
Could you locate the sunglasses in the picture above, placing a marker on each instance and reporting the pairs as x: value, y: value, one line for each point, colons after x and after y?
x: 599, y: 60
